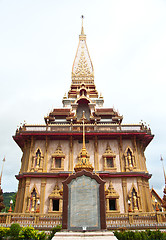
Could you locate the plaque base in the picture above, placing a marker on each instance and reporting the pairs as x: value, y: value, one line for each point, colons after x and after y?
x: 105, y: 235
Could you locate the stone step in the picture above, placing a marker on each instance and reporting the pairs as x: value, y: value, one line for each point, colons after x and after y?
x: 99, y: 235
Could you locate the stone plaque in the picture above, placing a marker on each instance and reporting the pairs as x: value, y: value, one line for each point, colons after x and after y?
x: 83, y: 204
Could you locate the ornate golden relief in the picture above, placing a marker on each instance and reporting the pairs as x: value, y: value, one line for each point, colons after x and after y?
x: 112, y: 199
x: 134, y: 199
x: 109, y: 160
x: 129, y: 158
x: 55, y: 199
x: 33, y: 200
x: 82, y: 68
x: 37, y: 161
x: 58, y: 157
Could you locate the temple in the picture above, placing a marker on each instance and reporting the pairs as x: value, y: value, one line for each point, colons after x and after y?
x: 57, y: 149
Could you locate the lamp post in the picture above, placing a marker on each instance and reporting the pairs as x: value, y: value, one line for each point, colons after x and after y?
x: 38, y: 204
x: 11, y: 203
x: 129, y: 206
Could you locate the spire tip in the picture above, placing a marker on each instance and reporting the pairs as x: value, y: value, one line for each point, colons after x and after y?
x: 82, y: 28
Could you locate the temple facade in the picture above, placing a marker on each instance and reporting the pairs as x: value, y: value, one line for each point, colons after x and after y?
x: 83, y: 134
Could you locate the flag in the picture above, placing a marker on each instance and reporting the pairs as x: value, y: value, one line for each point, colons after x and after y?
x: 3, y: 159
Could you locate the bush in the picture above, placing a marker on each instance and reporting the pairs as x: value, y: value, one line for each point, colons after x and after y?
x: 14, y: 231
x: 29, y: 233
x: 53, y: 231
x: 4, y: 232
x: 142, y: 235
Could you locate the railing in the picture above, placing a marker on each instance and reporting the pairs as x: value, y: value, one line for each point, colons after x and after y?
x: 102, y: 127
x: 150, y: 220
x: 37, y: 220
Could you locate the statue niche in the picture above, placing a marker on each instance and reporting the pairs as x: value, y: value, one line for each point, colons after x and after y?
x: 37, y: 161
x: 32, y: 200
x: 134, y: 199
x: 129, y: 160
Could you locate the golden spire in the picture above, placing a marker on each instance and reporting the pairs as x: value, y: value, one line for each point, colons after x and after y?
x: 83, y: 118
x: 83, y: 162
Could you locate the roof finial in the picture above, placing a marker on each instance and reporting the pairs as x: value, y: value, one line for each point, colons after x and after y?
x: 82, y: 28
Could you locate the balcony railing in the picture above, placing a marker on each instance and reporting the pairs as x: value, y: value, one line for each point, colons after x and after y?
x: 150, y: 220
x: 102, y: 127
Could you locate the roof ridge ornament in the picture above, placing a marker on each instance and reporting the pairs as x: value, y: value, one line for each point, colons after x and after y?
x: 83, y: 162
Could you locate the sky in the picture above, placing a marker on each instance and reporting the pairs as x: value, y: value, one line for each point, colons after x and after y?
x: 127, y: 45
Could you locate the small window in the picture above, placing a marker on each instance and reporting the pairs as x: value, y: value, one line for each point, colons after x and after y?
x: 55, y: 204
x: 112, y: 204
x: 110, y: 162
x: 57, y: 163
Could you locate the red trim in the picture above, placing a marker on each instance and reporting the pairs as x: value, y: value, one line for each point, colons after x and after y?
x: 61, y: 175
x: 108, y: 175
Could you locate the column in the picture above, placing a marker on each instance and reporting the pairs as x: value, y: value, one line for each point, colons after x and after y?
x: 42, y: 194
x: 149, y: 202
x: 120, y: 154
x: 141, y: 194
x: 26, y: 192
x: 71, y: 154
x: 137, y: 160
x: 30, y: 154
x: 16, y: 210
x: 124, y: 188
x: 45, y: 163
x: 96, y: 155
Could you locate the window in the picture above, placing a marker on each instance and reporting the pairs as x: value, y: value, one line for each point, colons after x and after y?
x: 112, y: 204
x: 57, y: 163
x: 55, y: 204
x: 110, y: 162
x: 112, y: 199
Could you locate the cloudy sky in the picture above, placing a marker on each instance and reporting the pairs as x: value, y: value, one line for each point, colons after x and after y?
x: 127, y: 45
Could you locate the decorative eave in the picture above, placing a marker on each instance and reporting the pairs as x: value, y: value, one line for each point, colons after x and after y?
x: 58, y: 153
x: 110, y: 192
x: 22, y: 136
x: 108, y: 152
